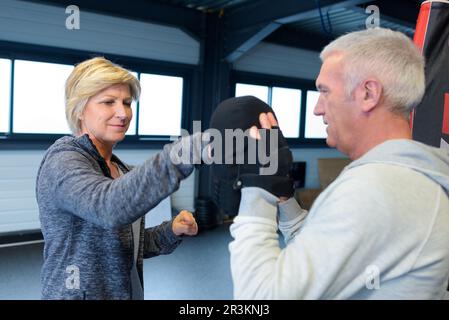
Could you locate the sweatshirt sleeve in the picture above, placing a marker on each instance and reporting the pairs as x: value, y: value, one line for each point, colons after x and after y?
x: 291, y: 218
x: 323, y: 258
x: 160, y: 240
x: 68, y: 179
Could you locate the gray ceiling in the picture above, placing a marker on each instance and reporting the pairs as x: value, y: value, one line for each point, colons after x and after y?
x: 332, y: 23
x: 209, y: 5
x: 342, y: 20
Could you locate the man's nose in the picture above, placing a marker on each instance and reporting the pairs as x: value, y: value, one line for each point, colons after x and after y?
x: 318, y: 110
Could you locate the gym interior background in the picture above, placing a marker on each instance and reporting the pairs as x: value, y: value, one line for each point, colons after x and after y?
x: 189, y: 55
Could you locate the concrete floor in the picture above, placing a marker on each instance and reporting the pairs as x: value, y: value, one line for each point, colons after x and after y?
x: 198, y: 270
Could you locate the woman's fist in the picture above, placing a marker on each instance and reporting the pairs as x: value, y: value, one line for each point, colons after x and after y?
x: 185, y: 224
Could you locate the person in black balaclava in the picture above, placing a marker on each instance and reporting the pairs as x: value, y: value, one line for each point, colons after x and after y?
x: 228, y: 179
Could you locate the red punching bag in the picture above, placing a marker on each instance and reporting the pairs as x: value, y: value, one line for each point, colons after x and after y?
x: 430, y: 120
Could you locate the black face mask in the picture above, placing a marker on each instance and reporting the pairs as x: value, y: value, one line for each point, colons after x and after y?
x: 234, y: 113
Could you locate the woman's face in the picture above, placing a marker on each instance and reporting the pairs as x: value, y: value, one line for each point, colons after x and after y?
x: 107, y: 115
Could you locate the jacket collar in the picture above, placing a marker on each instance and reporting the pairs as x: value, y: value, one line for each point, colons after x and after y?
x: 86, y: 143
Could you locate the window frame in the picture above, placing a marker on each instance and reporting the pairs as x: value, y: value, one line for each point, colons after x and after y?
x: 17, y: 51
x: 285, y: 82
x: 11, y: 79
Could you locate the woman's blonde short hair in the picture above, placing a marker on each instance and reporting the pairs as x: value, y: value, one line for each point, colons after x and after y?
x: 87, y: 79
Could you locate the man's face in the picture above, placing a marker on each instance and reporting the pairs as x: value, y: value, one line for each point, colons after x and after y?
x: 338, y: 109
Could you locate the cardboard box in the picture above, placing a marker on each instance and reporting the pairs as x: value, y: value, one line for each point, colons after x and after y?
x: 328, y: 171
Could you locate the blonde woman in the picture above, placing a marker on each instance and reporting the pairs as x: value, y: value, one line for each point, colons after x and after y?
x: 92, y: 205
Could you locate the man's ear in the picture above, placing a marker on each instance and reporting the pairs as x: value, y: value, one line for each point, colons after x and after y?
x: 371, y: 91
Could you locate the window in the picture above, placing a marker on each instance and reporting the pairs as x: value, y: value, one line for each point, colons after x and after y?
x: 286, y: 103
x: 160, y: 105
x: 5, y: 93
x: 315, y: 127
x: 132, y: 125
x: 32, y: 96
x: 39, y: 97
x: 260, y: 92
x: 39, y: 106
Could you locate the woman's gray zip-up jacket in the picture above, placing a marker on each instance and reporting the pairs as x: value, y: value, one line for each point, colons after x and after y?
x: 86, y: 218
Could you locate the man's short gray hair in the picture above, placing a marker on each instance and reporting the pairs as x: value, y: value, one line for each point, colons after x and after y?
x: 387, y: 55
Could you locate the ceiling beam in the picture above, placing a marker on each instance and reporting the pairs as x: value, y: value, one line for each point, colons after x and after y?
x: 282, y: 11
x: 244, y: 40
x: 287, y: 36
x: 258, y: 20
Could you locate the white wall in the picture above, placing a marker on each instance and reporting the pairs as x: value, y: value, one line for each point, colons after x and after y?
x: 279, y: 60
x: 39, y: 24
x: 18, y: 170
x: 18, y: 208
